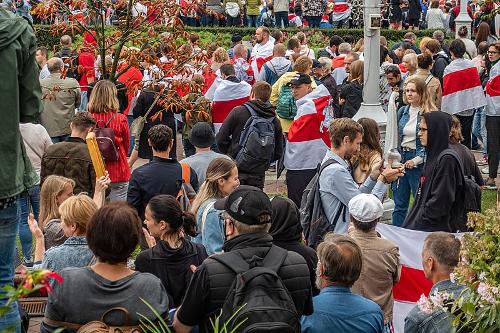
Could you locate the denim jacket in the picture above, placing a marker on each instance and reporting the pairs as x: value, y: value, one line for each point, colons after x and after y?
x: 212, y: 233
x: 403, y: 117
x: 437, y: 322
x: 74, y: 252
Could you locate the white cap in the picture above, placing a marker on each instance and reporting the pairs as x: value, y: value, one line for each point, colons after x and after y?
x: 366, y: 207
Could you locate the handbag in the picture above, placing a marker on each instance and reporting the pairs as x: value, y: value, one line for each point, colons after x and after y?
x: 138, y: 123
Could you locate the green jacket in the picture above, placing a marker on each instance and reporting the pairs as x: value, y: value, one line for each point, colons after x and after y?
x: 20, y: 95
x: 253, y: 7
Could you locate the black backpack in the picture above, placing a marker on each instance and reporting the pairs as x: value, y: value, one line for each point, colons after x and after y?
x: 258, y: 296
x: 256, y: 143
x: 471, y: 190
x: 312, y: 216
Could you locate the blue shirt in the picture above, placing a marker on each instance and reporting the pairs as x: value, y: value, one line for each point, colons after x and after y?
x: 337, y: 309
x: 337, y: 188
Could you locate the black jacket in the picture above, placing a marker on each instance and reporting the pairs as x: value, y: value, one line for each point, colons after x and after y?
x: 157, y: 115
x: 287, y: 234
x: 211, y: 281
x: 469, y: 162
x: 439, y: 204
x: 352, y: 93
x: 160, y: 176
x: 228, y: 137
x: 172, y: 266
x: 441, y: 60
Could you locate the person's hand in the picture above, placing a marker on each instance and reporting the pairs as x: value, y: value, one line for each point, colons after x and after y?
x: 391, y: 174
x: 149, y: 239
x: 409, y: 164
x: 341, y: 101
x: 102, y: 183
x: 34, y: 228
x: 193, y: 268
x: 377, y: 169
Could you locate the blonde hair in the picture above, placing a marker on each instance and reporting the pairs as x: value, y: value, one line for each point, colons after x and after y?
x: 359, y: 47
x: 423, y: 43
x: 220, y: 167
x: 357, y: 71
x: 303, y: 64
x: 426, y: 102
x: 52, y: 187
x: 412, y: 59
x: 104, y: 98
x: 77, y: 210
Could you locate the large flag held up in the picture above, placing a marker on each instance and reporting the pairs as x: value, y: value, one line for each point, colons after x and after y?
x: 412, y: 283
x: 227, y: 96
x: 462, y: 88
x: 308, y: 137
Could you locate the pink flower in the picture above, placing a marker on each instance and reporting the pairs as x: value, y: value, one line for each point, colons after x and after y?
x: 424, y: 305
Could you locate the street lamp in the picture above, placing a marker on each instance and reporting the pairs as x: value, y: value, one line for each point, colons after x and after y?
x: 371, y: 107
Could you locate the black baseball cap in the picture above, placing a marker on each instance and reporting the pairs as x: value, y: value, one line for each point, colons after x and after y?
x: 300, y: 79
x: 246, y: 204
x: 236, y: 38
x: 317, y: 64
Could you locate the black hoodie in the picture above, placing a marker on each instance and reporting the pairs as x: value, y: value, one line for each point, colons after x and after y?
x: 439, y: 202
x: 172, y: 266
x: 287, y: 233
x: 228, y: 137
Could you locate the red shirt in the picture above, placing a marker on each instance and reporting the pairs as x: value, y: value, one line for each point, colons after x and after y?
x: 131, y: 79
x: 118, y: 170
x: 86, y: 68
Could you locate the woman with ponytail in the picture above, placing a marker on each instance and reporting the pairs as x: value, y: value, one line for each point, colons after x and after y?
x: 171, y: 256
x: 220, y: 181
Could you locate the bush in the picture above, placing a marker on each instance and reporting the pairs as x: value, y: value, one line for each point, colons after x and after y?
x: 222, y: 36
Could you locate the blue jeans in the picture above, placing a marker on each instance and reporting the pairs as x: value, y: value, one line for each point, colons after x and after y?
x: 252, y: 20
x: 30, y: 199
x: 314, y: 21
x: 281, y: 19
x: 9, y: 219
x: 130, y: 120
x: 479, y: 127
x: 402, y: 189
x: 83, y: 101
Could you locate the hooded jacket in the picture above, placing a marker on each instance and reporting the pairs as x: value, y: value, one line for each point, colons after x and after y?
x: 441, y: 60
x: 172, y: 266
x: 352, y: 93
x: 287, y: 233
x: 20, y: 94
x: 439, y: 202
x: 275, y: 68
x: 228, y: 137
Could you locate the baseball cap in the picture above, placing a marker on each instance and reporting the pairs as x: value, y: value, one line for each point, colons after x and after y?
x: 317, y: 64
x: 300, y: 79
x: 365, y: 207
x: 246, y: 204
x: 202, y: 135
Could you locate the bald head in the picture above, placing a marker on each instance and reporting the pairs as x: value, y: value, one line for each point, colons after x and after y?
x: 279, y: 50
x: 240, y: 51
x: 66, y: 40
x: 55, y: 65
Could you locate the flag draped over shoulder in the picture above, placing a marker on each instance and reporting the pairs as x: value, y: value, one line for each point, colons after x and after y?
x: 227, y: 96
x: 493, y: 93
x: 341, y: 10
x: 308, y: 137
x: 260, y: 55
x: 462, y: 88
x: 412, y: 283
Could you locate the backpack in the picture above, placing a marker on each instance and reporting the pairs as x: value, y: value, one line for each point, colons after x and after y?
x: 98, y: 326
x: 256, y: 143
x: 70, y: 60
x: 312, y: 216
x: 286, y: 107
x: 105, y: 137
x: 471, y: 190
x: 186, y: 193
x: 258, y: 298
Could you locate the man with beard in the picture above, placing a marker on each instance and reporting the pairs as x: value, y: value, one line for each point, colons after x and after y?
x: 336, y: 185
x: 262, y: 50
x: 336, y: 308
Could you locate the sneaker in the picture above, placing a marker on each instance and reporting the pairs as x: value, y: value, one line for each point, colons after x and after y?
x: 482, y: 162
x: 486, y: 170
x: 28, y: 263
x: 490, y: 184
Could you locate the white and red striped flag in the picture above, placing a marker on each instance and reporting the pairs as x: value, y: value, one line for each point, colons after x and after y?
x: 260, y: 55
x: 341, y: 10
x: 412, y: 283
x: 227, y: 96
x: 308, y: 137
x: 493, y: 93
x: 462, y: 88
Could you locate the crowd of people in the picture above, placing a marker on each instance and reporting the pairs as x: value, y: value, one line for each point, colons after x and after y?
x: 210, y: 238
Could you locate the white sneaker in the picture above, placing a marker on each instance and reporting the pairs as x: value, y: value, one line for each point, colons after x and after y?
x: 485, y: 170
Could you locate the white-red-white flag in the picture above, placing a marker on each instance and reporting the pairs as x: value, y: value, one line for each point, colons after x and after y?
x: 413, y: 282
x: 260, y: 55
x: 493, y: 92
x: 227, y: 96
x: 462, y: 88
x: 308, y: 137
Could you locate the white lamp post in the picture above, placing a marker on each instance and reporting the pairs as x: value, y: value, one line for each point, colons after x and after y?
x: 371, y: 107
x: 463, y: 19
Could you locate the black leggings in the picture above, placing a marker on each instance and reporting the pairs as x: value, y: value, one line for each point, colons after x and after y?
x: 296, y: 182
x: 493, y: 137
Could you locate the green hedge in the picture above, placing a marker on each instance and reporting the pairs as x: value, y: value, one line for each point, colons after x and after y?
x: 222, y: 36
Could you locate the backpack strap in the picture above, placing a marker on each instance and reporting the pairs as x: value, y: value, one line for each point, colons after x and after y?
x: 450, y: 151
x: 186, y: 173
x: 275, y: 258
x: 326, y: 164
x: 110, y: 119
x: 428, y: 79
x: 233, y: 261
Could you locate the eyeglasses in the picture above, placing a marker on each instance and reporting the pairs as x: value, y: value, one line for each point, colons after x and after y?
x: 493, y: 52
